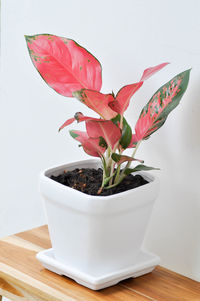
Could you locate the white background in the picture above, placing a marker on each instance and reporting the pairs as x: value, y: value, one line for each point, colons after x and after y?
x: 127, y: 37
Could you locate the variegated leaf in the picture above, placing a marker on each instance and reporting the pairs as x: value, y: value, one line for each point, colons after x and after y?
x: 63, y: 64
x: 96, y: 101
x: 92, y: 146
x: 98, y: 128
x: 155, y: 113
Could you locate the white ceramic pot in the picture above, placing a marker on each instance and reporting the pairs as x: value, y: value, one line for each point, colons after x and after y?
x: 96, y: 234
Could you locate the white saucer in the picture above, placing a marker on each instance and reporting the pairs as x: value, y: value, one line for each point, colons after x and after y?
x: 144, y: 263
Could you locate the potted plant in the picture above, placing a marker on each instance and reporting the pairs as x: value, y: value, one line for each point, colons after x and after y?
x: 98, y: 210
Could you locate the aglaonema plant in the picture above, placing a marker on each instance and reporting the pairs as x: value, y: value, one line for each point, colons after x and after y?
x: 72, y: 71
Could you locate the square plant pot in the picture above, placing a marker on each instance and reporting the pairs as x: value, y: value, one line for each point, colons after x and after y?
x: 96, y: 235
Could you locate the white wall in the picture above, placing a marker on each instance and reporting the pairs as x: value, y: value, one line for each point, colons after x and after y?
x: 126, y: 36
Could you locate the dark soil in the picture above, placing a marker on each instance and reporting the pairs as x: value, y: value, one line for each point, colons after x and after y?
x: 88, y: 180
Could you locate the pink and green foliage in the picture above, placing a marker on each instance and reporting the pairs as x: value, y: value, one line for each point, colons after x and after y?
x: 74, y: 72
x: 96, y: 101
x: 97, y: 128
x: 105, y: 129
x: 92, y: 146
x: 63, y: 64
x: 155, y: 113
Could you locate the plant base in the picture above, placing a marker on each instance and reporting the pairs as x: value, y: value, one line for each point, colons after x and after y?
x: 144, y: 263
x: 89, y: 180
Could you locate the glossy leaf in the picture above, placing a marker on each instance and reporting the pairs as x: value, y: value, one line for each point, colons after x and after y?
x: 139, y: 167
x: 121, y: 103
x: 63, y: 64
x: 79, y: 117
x: 96, y: 128
x: 155, y: 113
x: 119, y: 159
x: 92, y: 146
x: 104, y: 128
x: 151, y: 71
x: 126, y: 132
x: 96, y: 101
x: 66, y: 123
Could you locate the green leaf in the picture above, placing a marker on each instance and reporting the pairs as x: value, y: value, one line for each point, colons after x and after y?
x: 126, y: 131
x: 119, y: 159
x: 102, y: 142
x: 139, y: 167
x: 73, y: 134
x: 116, y: 157
x: 156, y: 111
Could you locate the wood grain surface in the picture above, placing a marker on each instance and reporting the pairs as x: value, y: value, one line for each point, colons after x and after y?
x: 22, y: 277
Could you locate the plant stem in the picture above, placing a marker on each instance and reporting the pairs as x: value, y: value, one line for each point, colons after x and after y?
x: 133, y: 155
x: 108, y: 159
x: 107, y: 155
x: 117, y: 174
x: 103, y: 160
x: 111, y: 172
x: 118, y: 169
x: 115, y: 184
x: 110, y: 162
x: 122, y: 176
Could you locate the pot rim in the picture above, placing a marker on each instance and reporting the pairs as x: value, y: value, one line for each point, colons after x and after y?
x: 46, y: 173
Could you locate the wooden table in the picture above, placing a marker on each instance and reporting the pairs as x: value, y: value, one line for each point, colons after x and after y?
x: 22, y: 277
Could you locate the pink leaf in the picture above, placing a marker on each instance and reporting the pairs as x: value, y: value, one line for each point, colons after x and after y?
x: 123, y: 97
x: 104, y: 128
x: 143, y: 124
x: 98, y: 128
x: 96, y: 101
x: 151, y: 71
x: 90, y: 145
x: 63, y: 64
x: 79, y: 117
x: 121, y: 103
x: 66, y: 123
